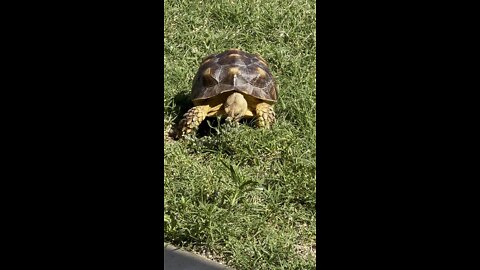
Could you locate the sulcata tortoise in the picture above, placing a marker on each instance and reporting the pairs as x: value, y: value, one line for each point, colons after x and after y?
x: 233, y: 84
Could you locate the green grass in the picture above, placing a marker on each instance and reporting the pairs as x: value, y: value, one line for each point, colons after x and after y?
x: 240, y: 195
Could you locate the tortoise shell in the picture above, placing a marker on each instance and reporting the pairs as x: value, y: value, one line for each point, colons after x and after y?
x: 234, y: 70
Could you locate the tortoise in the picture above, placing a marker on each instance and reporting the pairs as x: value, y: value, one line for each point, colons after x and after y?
x: 233, y: 84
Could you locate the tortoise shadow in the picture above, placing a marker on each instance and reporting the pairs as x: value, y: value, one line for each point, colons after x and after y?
x: 210, y: 125
x: 181, y: 104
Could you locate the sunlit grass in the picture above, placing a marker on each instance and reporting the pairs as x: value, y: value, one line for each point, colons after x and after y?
x: 240, y: 195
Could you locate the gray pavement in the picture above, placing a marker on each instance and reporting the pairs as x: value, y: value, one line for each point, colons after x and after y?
x: 178, y: 259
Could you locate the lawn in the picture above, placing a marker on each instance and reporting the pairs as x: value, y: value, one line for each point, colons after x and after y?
x: 240, y: 195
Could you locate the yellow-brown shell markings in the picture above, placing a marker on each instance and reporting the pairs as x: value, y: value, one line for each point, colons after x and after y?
x: 234, y: 70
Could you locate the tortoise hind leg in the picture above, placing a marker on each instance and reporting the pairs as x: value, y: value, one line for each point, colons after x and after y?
x: 264, y: 114
x: 191, y: 120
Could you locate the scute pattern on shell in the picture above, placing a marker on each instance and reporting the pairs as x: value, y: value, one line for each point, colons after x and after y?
x: 234, y: 70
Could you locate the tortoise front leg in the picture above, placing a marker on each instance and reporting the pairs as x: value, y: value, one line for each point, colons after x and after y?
x: 191, y: 120
x: 264, y: 114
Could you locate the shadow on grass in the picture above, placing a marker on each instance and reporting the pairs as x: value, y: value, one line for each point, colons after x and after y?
x: 180, y: 105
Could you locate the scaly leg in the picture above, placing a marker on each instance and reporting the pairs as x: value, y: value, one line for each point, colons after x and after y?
x: 265, y: 116
x: 192, y: 119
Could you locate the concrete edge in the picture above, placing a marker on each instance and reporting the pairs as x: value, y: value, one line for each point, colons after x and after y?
x: 179, y: 259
